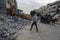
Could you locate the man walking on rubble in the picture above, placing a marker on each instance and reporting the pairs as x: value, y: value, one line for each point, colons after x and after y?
x: 35, y: 19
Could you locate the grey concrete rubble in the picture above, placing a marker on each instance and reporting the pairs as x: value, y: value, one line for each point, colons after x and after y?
x: 9, y: 27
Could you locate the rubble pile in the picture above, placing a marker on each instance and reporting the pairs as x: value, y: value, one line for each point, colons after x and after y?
x: 9, y: 27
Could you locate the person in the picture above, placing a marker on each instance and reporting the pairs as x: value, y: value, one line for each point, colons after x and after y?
x: 35, y: 19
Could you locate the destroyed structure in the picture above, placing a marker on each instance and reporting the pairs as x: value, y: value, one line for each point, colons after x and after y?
x: 9, y: 23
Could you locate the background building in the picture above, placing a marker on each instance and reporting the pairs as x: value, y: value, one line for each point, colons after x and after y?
x: 19, y: 11
x: 54, y: 7
x: 43, y: 10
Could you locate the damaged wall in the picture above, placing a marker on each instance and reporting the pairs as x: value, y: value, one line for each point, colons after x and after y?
x: 2, y: 6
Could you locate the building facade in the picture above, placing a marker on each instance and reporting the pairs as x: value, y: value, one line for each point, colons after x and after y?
x: 42, y: 10
x: 54, y: 7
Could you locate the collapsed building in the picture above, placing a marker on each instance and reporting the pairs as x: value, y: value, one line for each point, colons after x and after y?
x: 11, y: 6
x: 8, y: 5
x: 9, y: 25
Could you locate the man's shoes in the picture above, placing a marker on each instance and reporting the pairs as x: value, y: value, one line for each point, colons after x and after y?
x: 36, y: 30
x: 30, y: 29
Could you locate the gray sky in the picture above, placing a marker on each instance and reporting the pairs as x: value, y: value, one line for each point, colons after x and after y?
x: 28, y: 5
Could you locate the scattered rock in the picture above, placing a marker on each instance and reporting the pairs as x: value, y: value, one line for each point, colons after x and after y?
x: 9, y: 27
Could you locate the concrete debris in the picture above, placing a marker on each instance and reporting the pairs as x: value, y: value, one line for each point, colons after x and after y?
x: 9, y: 26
